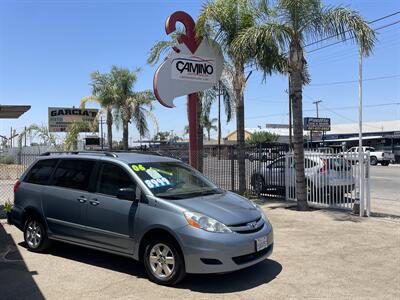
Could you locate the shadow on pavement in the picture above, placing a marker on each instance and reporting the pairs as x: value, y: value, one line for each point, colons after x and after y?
x: 96, y: 258
x: 248, y: 278
x: 251, y: 277
x: 16, y: 280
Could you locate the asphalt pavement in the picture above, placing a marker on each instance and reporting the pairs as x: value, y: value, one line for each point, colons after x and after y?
x: 385, y: 189
x: 320, y: 254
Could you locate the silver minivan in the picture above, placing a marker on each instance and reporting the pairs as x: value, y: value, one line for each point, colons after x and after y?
x: 152, y: 208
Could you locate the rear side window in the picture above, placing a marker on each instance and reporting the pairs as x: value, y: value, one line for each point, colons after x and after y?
x: 41, y: 171
x: 112, y: 178
x: 73, y: 173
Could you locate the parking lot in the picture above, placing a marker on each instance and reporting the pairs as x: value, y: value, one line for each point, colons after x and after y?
x: 317, y: 254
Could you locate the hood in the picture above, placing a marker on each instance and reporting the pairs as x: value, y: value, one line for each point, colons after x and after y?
x: 228, y: 208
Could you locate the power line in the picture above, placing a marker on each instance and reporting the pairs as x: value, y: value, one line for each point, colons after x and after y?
x: 329, y: 109
x: 350, y: 38
x: 354, y: 81
x: 370, y: 22
x: 330, y: 37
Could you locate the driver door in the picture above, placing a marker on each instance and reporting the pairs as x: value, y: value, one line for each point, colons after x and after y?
x: 110, y: 220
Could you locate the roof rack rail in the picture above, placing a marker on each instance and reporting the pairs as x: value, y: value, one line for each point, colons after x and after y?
x: 105, y: 153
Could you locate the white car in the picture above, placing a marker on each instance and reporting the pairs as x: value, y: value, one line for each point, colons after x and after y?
x: 382, y: 157
x: 328, y: 173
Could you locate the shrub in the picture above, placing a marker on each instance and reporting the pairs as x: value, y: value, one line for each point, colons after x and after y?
x: 7, y: 160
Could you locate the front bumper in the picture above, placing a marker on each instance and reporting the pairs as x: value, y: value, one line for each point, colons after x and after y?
x: 206, y: 252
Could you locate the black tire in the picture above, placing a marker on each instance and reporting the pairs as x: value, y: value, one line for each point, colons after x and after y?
x: 385, y: 163
x: 373, y: 161
x: 178, y: 271
x: 42, y: 241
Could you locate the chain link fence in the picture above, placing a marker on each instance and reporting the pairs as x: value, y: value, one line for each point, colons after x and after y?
x: 13, y: 162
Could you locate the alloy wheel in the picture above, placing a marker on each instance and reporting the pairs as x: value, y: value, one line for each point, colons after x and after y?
x: 162, y: 261
x: 34, y: 234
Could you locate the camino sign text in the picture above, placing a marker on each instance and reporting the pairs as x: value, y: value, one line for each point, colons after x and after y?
x: 61, y: 117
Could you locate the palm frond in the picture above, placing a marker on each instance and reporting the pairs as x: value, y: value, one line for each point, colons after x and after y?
x: 346, y: 25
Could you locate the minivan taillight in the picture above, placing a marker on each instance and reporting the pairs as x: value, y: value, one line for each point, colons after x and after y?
x: 16, y: 186
x: 324, y: 167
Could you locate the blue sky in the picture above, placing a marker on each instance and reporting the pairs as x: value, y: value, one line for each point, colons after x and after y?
x: 49, y: 48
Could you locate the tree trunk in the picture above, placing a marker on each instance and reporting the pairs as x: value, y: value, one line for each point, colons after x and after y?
x: 125, y: 134
x: 239, y: 82
x: 209, y: 134
x: 109, y: 128
x: 296, y: 64
x: 200, y: 132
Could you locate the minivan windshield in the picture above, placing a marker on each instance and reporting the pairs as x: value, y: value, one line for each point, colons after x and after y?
x: 173, y: 180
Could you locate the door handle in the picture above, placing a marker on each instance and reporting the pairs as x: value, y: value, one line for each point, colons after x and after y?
x: 82, y: 199
x: 94, y: 202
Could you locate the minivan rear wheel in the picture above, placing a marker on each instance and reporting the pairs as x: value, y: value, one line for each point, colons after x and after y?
x: 164, y: 262
x: 35, y: 235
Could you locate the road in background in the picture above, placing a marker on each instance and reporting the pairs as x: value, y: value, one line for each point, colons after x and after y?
x: 385, y: 189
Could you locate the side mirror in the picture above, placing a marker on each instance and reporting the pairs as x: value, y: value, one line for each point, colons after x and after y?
x: 126, y: 194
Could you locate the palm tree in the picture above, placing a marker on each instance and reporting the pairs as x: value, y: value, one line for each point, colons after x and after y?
x: 103, y: 94
x: 224, y: 20
x: 131, y: 106
x: 292, y: 24
x: 73, y: 130
x: 209, y: 125
x: 40, y: 131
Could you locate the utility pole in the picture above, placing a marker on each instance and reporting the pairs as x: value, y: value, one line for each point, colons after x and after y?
x: 360, y: 149
x: 316, y: 105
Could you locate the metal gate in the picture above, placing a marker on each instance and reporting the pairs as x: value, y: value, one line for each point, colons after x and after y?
x: 332, y: 180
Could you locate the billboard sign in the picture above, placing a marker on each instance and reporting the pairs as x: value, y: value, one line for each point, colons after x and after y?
x: 317, y: 124
x: 61, y: 117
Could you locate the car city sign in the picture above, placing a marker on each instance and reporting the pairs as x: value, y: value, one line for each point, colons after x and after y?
x: 184, y: 72
x: 62, y: 117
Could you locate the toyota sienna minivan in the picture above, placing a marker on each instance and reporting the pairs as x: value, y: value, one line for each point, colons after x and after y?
x: 151, y: 208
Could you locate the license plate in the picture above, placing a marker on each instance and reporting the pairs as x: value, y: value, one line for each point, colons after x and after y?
x: 261, y: 243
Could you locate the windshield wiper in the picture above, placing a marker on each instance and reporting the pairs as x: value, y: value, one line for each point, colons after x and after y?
x: 172, y: 197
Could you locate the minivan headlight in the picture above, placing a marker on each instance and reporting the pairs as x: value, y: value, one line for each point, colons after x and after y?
x: 204, y: 222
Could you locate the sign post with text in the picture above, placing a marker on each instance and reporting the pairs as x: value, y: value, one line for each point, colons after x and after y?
x: 194, y: 64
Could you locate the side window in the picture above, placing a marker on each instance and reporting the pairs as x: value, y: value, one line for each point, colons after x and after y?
x: 73, y: 173
x: 112, y: 178
x: 41, y: 171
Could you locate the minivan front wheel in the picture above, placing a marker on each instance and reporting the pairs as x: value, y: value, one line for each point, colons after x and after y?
x: 35, y: 235
x: 164, y: 263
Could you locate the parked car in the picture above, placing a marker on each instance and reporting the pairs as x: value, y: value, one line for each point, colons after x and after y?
x: 264, y: 155
x: 330, y: 174
x: 382, y: 157
x: 151, y: 208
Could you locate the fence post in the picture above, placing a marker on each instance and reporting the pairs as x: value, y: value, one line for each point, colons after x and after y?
x: 286, y: 176
x: 232, y: 168
x: 367, y: 185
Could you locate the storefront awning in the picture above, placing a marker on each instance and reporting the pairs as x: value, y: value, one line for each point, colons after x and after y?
x: 13, y: 111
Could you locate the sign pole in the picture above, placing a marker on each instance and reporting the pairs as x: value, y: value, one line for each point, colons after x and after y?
x: 192, y: 115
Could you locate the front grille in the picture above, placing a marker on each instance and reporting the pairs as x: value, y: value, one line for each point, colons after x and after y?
x: 244, y: 259
x: 244, y: 224
x: 248, y: 227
